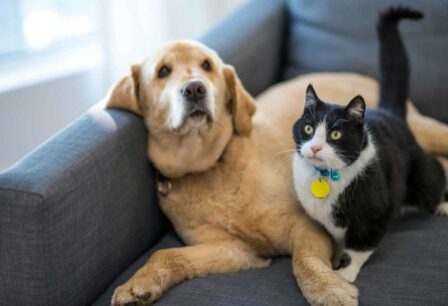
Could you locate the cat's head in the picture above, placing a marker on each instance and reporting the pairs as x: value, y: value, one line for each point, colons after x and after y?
x: 328, y: 135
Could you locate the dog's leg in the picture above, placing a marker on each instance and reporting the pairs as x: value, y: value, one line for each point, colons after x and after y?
x: 170, y: 266
x: 311, y: 258
x: 431, y: 134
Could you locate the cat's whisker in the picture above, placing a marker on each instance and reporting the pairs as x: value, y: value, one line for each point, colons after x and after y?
x: 282, y: 164
x: 284, y: 155
x: 333, y: 162
x: 288, y: 151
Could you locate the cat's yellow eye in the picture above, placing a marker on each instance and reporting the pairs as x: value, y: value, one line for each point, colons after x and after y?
x: 308, y: 129
x: 335, y: 135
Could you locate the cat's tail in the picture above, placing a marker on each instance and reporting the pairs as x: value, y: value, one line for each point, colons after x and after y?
x: 394, y: 63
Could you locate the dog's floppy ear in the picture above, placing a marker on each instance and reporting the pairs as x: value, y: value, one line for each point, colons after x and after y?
x: 242, y: 103
x: 124, y: 93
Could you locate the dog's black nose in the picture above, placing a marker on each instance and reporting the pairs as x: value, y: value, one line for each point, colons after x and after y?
x: 194, y: 91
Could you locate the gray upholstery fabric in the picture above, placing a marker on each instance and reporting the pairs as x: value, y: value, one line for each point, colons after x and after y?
x: 409, y: 268
x: 329, y: 35
x: 76, y: 212
x: 252, y: 39
x: 81, y: 209
x: 271, y: 286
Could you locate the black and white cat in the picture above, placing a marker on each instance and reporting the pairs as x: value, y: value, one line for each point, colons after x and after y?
x: 353, y: 168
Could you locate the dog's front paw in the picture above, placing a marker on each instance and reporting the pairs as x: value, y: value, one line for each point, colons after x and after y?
x: 342, y: 293
x: 137, y: 291
x: 337, y: 293
x: 332, y: 291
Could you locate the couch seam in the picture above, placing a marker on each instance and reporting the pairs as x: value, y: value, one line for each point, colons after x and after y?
x: 41, y: 196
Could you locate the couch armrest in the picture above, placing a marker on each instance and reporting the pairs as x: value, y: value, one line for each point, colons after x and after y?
x: 252, y: 39
x: 77, y: 211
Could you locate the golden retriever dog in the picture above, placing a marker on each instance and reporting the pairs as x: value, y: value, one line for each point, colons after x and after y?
x: 230, y: 195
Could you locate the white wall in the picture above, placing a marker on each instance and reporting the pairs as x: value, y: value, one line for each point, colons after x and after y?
x: 131, y: 29
x: 136, y: 28
x: 28, y: 116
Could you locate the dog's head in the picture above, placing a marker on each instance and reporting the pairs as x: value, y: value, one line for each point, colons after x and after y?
x: 185, y: 91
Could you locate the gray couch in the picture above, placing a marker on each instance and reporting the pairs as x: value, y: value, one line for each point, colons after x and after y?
x: 79, y: 215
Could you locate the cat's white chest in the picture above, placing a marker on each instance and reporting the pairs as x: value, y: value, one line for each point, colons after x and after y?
x: 320, y: 210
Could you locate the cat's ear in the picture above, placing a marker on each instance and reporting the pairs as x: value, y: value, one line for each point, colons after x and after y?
x: 356, y: 108
x: 311, y: 97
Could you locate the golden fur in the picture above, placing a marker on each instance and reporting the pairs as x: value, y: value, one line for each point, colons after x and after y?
x: 231, y: 198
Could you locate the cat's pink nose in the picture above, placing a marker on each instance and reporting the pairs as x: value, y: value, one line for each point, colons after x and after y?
x: 315, y: 149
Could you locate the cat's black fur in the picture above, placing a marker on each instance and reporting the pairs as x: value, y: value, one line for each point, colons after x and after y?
x: 402, y: 173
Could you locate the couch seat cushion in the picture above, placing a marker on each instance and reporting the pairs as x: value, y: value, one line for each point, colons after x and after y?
x: 409, y: 268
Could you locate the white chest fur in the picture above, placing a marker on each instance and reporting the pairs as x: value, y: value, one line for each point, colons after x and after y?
x: 321, y: 209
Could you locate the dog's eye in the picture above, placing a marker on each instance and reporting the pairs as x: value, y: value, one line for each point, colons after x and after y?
x: 164, y: 71
x: 206, y: 65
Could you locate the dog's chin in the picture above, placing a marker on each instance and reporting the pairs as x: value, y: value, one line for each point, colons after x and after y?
x: 195, y: 119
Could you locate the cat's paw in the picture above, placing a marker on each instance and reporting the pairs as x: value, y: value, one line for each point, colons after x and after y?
x: 357, y: 260
x: 343, y: 261
x: 349, y: 273
x: 442, y: 209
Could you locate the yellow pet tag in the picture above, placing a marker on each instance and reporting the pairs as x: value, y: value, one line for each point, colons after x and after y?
x: 320, y: 188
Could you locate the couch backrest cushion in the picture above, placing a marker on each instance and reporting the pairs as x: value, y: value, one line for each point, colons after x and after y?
x: 328, y: 35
